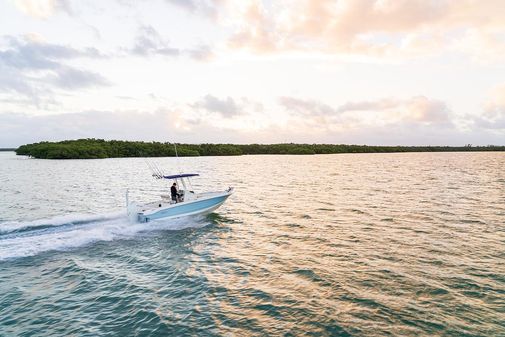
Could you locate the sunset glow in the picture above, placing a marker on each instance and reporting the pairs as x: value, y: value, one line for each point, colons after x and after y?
x: 377, y: 72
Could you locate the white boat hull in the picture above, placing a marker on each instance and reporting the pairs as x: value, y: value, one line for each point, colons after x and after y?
x: 202, y: 204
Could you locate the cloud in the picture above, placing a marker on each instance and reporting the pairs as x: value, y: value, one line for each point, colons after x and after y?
x: 258, y: 30
x: 71, y: 79
x: 382, y: 104
x: 202, y: 53
x: 307, y: 107
x: 418, y: 109
x: 411, y: 112
x: 492, y: 119
x: 376, y: 28
x: 42, y: 9
x: 417, y: 120
x: 493, y: 116
x: 17, y: 129
x: 429, y: 111
x: 161, y: 125
x: 32, y: 53
x: 413, y: 121
x: 10, y: 81
x: 31, y: 67
x: 207, y: 8
x: 226, y: 107
x: 149, y: 42
x: 190, y: 5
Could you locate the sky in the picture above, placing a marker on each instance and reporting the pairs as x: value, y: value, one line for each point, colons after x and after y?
x: 376, y: 72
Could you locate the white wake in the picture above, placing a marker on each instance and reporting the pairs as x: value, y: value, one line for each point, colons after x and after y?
x: 21, y: 239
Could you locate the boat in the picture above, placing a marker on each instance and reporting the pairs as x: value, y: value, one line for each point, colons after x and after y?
x: 188, y: 203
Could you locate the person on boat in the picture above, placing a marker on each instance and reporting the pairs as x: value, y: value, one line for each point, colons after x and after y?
x: 174, y: 193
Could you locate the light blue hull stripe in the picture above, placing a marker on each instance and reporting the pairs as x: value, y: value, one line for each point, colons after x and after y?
x: 185, y: 209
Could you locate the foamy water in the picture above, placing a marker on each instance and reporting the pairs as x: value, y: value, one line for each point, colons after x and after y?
x: 20, y: 239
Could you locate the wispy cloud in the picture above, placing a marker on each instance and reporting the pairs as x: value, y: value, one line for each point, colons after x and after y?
x: 71, y: 79
x: 31, y: 52
x: 149, y: 42
x: 32, y: 67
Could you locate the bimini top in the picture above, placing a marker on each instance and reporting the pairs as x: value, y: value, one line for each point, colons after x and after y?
x: 182, y: 175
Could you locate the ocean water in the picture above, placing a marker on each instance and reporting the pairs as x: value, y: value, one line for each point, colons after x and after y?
x: 406, y: 244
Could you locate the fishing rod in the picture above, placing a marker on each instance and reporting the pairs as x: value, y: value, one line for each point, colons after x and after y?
x: 159, y: 170
x: 155, y: 170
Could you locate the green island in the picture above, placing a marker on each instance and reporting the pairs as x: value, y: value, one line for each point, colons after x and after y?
x: 98, y: 148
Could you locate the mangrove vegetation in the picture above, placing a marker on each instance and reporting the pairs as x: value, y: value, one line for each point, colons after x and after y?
x: 98, y: 148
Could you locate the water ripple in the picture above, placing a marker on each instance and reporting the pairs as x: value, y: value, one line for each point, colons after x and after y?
x: 366, y: 245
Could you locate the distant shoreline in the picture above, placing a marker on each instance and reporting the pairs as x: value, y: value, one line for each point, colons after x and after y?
x: 99, y: 148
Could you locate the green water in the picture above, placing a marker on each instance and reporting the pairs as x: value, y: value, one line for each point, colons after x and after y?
x: 331, y: 245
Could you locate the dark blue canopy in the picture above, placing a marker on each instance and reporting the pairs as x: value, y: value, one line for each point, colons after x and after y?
x: 183, y: 175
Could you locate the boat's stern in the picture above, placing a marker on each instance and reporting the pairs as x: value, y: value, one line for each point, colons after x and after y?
x: 132, y: 210
x: 142, y: 218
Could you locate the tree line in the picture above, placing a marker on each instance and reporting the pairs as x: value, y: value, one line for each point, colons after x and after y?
x: 98, y: 148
